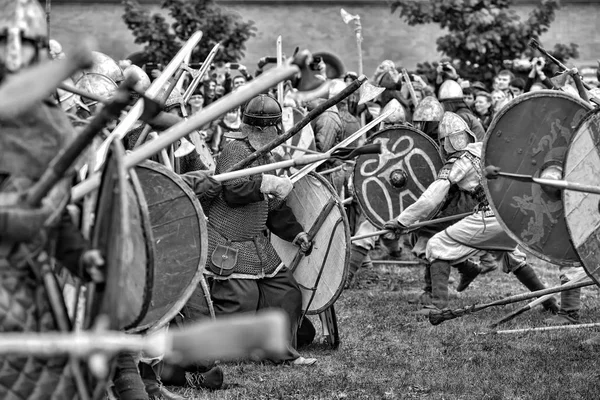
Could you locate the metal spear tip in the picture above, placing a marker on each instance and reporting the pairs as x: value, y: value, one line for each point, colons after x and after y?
x: 368, y: 92
x: 347, y: 17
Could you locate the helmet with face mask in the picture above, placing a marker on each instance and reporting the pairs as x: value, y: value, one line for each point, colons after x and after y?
x: 454, y: 134
x: 262, y: 120
x: 21, y: 21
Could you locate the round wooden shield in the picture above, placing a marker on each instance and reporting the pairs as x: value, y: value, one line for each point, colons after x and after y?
x: 582, y: 212
x: 178, y: 239
x: 321, y: 274
x: 530, y: 132
x: 120, y: 234
x: 387, y: 183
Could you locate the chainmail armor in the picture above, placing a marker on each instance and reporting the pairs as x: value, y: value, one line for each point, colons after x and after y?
x: 243, y: 228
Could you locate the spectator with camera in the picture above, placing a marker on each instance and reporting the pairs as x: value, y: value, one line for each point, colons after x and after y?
x: 537, y: 75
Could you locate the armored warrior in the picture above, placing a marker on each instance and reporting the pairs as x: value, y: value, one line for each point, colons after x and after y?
x: 29, y: 139
x: 473, y: 235
x: 452, y: 98
x: 248, y: 274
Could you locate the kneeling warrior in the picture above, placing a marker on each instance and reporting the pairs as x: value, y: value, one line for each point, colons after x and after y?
x: 473, y: 235
x: 248, y: 274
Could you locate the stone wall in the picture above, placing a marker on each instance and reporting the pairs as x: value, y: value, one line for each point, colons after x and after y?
x: 318, y: 26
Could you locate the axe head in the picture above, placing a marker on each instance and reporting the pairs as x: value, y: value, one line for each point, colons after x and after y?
x: 368, y: 92
x: 347, y: 17
x: 185, y: 148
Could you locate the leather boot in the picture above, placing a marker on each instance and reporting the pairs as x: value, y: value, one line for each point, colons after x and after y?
x: 527, y: 276
x: 425, y: 297
x: 357, y: 257
x: 469, y: 270
x: 155, y: 388
x: 440, y: 272
x: 570, y: 303
x: 128, y: 382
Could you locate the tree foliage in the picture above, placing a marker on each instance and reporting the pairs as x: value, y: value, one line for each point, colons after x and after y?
x: 482, y: 33
x: 162, y: 39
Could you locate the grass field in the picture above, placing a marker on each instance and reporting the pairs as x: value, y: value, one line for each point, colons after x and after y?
x: 388, y: 353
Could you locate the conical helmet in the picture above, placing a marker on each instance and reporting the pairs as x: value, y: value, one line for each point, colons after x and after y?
x: 398, y: 116
x: 454, y: 133
x: 103, y: 65
x: 97, y: 84
x: 21, y: 19
x: 428, y: 110
x: 450, y: 90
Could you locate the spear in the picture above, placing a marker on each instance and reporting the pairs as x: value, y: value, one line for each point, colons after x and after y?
x: 492, y: 172
x: 436, y: 317
x: 346, y: 153
x: 414, y: 226
x: 263, y: 334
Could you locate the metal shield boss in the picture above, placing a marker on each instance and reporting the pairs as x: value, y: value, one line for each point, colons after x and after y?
x: 530, y: 136
x: 582, y: 210
x: 322, y: 273
x: 385, y: 184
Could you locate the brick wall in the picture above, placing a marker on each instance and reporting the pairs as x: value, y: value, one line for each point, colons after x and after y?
x: 319, y: 27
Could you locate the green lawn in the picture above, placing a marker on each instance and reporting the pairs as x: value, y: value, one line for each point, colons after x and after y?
x: 387, y: 353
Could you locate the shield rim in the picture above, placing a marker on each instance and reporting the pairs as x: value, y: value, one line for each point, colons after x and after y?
x: 177, y: 306
x: 583, y: 121
x: 346, y: 225
x: 360, y: 199
x: 511, y: 104
x: 117, y: 153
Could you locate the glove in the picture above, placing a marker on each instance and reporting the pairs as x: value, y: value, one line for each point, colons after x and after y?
x: 279, y: 187
x: 396, y: 228
x: 302, y: 240
x: 92, y: 262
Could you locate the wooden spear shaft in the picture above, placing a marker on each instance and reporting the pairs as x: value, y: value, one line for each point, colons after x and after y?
x: 413, y: 226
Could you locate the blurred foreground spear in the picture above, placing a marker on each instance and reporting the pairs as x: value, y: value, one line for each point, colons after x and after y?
x: 259, y: 335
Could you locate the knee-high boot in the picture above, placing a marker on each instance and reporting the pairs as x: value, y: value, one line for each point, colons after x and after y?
x: 570, y: 303
x: 357, y: 257
x: 440, y: 272
x: 425, y: 297
x: 527, y: 276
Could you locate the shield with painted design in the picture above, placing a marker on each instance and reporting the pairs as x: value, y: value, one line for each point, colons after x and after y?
x: 387, y: 183
x: 322, y: 273
x: 530, y: 136
x: 582, y: 210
